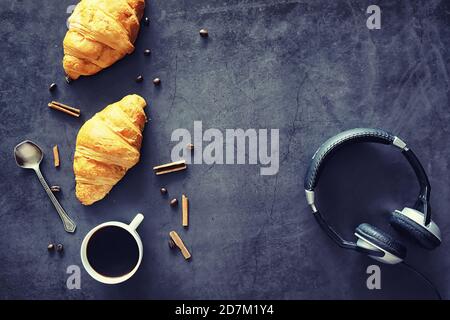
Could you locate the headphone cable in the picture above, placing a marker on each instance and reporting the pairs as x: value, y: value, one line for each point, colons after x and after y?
x: 424, y: 277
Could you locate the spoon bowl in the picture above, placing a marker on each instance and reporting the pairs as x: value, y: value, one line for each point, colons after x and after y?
x: 28, y: 155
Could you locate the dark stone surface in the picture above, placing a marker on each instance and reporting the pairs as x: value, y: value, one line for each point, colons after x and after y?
x: 309, y: 68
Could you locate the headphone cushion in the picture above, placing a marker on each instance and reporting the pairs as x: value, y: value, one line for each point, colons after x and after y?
x: 382, y: 240
x: 406, y: 225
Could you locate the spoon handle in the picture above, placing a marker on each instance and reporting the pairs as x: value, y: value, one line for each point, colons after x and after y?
x: 69, y: 225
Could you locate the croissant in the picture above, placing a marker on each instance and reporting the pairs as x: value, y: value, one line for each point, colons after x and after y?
x: 107, y: 146
x: 100, y: 33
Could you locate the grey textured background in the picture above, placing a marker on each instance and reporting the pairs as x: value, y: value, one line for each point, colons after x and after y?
x: 309, y: 68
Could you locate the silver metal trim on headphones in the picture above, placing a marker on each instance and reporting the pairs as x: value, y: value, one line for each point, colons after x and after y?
x: 399, y: 143
x: 418, y: 218
x: 310, y: 200
x: 388, y: 257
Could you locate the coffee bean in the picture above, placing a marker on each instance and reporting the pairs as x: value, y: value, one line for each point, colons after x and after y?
x: 146, y: 21
x: 174, y: 202
x: 139, y: 78
x: 163, y: 190
x: 52, y: 87
x: 147, y: 52
x: 203, y: 33
x: 171, y: 244
x: 59, y: 247
x: 50, y: 247
x: 55, y: 188
x: 157, y: 81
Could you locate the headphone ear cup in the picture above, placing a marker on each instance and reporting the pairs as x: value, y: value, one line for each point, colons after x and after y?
x: 381, y: 240
x: 416, y: 231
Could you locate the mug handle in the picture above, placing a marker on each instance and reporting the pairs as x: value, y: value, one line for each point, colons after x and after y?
x: 136, y: 221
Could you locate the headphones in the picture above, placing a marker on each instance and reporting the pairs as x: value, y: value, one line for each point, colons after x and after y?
x: 414, y: 222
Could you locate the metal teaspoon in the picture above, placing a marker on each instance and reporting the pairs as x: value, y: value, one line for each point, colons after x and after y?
x: 28, y: 155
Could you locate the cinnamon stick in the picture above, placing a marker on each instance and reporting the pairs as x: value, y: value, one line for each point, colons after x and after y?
x: 185, y: 210
x: 56, y: 156
x: 65, y: 108
x: 170, y: 167
x: 179, y: 243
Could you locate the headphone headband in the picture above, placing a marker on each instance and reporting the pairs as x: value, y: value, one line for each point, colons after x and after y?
x: 347, y: 137
x: 353, y: 136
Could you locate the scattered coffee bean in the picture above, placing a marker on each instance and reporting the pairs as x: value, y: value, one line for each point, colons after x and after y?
x: 190, y: 146
x: 146, y: 21
x: 163, y: 190
x: 59, y: 247
x: 50, y: 247
x: 55, y: 188
x: 203, y: 33
x: 173, y: 202
x: 139, y: 78
x: 68, y: 79
x: 52, y: 87
x: 171, y: 244
x: 157, y: 81
x: 147, y: 52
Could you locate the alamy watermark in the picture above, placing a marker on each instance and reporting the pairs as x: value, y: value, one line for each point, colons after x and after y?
x: 234, y: 146
x: 374, y: 20
x: 374, y: 280
x: 74, y: 279
x: 69, y: 10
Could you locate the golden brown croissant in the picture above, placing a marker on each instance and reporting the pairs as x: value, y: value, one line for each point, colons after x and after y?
x: 107, y: 146
x: 100, y: 33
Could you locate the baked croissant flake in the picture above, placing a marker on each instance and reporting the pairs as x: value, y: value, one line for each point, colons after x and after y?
x: 107, y: 146
x: 100, y: 33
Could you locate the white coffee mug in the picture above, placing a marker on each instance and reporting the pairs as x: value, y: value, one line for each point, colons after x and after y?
x: 131, y: 228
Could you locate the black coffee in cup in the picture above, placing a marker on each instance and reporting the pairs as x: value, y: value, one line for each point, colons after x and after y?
x: 112, y: 251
